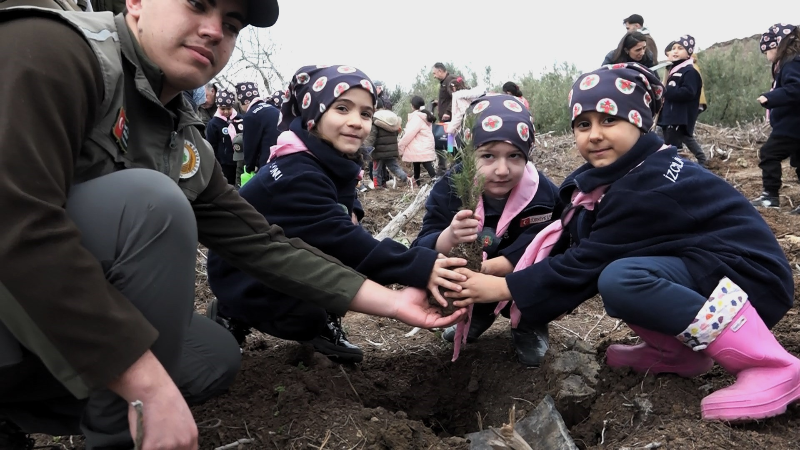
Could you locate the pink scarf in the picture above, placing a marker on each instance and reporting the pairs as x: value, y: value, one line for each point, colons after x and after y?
x: 229, y: 121
x: 288, y: 143
x: 519, y: 197
x: 688, y: 62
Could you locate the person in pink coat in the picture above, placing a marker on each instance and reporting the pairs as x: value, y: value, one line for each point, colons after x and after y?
x: 417, y: 145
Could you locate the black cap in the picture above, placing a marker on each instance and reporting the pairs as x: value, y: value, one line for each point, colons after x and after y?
x: 262, y: 13
x: 634, y: 18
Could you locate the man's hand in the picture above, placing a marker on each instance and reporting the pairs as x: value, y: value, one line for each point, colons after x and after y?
x: 761, y: 99
x: 168, y: 422
x: 463, y: 228
x: 441, y: 276
x: 479, y: 288
x: 413, y: 309
x: 499, y: 266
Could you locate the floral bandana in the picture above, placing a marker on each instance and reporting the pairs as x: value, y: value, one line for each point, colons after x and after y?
x: 687, y: 42
x: 277, y: 99
x: 502, y: 118
x: 246, y: 92
x: 314, y: 88
x: 225, y: 99
x: 772, y: 38
x: 625, y: 90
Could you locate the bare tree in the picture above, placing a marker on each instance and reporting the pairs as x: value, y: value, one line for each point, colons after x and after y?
x: 253, y: 56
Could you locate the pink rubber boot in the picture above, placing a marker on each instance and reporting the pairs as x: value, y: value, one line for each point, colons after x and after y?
x: 659, y: 353
x: 767, y: 376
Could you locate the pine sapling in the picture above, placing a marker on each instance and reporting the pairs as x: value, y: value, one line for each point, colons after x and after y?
x: 468, y: 186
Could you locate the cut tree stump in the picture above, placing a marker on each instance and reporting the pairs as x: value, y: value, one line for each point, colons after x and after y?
x: 543, y: 429
x: 400, y: 220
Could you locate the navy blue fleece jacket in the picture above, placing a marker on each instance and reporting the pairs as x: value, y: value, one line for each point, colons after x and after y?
x: 217, y: 136
x: 784, y: 100
x: 664, y: 207
x: 261, y: 123
x: 443, y: 204
x: 682, y: 98
x: 311, y: 196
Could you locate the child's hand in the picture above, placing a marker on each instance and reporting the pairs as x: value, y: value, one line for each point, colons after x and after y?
x: 479, y: 288
x: 761, y: 99
x: 441, y: 276
x: 499, y: 266
x: 463, y: 228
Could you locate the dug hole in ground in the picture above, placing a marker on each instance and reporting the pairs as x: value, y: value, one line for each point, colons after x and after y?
x: 408, y: 395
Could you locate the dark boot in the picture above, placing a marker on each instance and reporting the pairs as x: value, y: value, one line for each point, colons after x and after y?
x: 13, y: 438
x: 333, y: 343
x: 531, y: 343
x: 766, y: 200
x: 238, y: 329
x: 480, y: 323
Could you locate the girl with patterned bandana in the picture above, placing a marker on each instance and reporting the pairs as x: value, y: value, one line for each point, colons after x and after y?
x: 308, y: 186
x: 682, y: 99
x: 220, y: 132
x: 517, y: 203
x: 674, y: 251
x: 781, y: 45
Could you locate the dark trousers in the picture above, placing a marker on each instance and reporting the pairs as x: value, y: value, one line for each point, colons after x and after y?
x: 677, y: 136
x: 772, y: 153
x: 142, y: 230
x: 229, y: 170
x: 657, y: 293
x: 279, y: 316
x: 428, y: 167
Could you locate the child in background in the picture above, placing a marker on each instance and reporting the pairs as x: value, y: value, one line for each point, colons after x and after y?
x: 511, y: 88
x: 386, y: 125
x: 517, y: 203
x: 781, y: 45
x: 417, y: 145
x: 221, y: 130
x: 674, y: 250
x: 309, y: 187
x: 462, y: 98
x: 682, y: 99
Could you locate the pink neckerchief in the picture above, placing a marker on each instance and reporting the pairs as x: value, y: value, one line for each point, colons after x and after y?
x: 288, y: 143
x: 257, y: 99
x: 229, y: 121
x: 519, y: 197
x: 680, y: 66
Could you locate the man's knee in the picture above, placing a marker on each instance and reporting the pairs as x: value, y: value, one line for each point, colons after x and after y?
x: 211, y: 360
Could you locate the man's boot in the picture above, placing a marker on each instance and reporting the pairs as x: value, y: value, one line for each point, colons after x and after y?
x: 479, y: 324
x: 658, y: 353
x: 531, y: 343
x: 332, y: 342
x: 238, y: 329
x: 13, y: 438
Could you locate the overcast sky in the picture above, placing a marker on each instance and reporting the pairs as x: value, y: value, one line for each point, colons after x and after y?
x: 393, y: 40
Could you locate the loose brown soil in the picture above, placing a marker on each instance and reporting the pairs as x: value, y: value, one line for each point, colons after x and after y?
x: 407, y: 394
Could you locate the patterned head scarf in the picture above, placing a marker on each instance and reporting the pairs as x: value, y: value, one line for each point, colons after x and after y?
x: 246, y: 92
x: 503, y: 118
x: 314, y: 88
x: 225, y: 99
x: 277, y: 98
x: 625, y: 90
x: 772, y: 38
x: 687, y: 42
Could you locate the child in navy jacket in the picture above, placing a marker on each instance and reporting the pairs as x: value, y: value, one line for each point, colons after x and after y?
x: 221, y: 130
x: 674, y: 251
x: 309, y: 188
x: 517, y: 203
x: 781, y: 44
x: 261, y: 121
x: 682, y: 99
